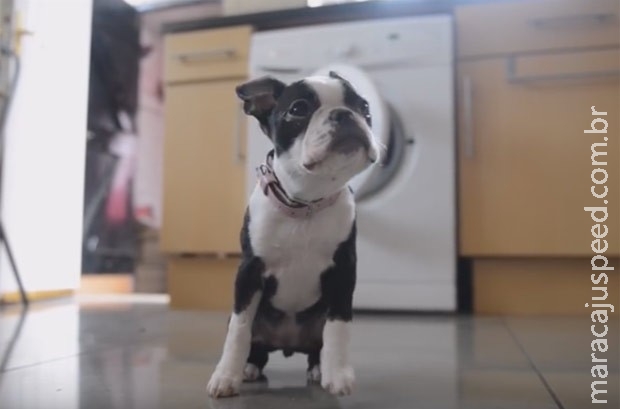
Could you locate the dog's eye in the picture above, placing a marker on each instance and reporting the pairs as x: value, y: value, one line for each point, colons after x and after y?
x: 366, y: 111
x: 299, y: 108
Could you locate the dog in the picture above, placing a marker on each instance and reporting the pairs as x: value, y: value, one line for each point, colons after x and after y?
x: 294, y: 287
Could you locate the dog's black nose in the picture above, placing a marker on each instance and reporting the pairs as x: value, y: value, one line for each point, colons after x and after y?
x: 341, y: 116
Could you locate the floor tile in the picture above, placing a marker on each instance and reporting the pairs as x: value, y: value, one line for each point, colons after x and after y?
x: 44, y: 335
x: 563, y: 343
x: 505, y: 389
x: 574, y: 389
x: 486, y: 343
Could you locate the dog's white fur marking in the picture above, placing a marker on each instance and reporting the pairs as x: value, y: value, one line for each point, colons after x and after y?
x: 314, y: 374
x: 336, y: 372
x: 304, y: 185
x: 329, y: 90
x: 227, y: 377
x: 275, y: 237
x: 251, y: 372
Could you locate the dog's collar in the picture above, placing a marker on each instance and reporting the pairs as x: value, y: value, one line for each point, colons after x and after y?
x: 271, y: 187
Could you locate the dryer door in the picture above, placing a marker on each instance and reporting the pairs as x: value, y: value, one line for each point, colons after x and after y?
x: 386, y: 128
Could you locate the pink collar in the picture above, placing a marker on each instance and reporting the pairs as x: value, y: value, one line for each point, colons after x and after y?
x: 272, y: 188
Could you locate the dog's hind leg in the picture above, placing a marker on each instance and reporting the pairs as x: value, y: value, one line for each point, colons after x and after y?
x: 314, y: 365
x: 259, y: 355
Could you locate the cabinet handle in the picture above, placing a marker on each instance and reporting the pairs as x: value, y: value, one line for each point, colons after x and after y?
x: 238, y: 155
x: 514, y: 78
x: 207, y: 55
x: 570, y: 21
x: 279, y: 70
x: 468, y: 116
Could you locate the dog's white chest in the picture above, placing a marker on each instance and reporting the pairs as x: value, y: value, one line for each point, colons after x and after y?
x: 297, y: 251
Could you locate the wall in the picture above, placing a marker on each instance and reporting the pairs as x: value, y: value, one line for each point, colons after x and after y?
x: 43, y: 175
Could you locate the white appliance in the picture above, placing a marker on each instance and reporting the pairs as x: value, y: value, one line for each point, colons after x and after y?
x: 406, y: 208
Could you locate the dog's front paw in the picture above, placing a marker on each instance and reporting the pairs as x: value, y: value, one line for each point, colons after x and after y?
x: 223, y: 384
x: 338, y: 380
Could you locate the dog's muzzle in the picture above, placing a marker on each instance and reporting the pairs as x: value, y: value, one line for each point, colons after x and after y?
x: 347, y: 135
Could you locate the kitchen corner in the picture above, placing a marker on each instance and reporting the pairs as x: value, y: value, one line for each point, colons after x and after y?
x: 382, y: 204
x: 540, y: 59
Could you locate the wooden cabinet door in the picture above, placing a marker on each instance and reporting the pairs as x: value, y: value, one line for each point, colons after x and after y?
x: 204, y: 194
x: 525, y: 161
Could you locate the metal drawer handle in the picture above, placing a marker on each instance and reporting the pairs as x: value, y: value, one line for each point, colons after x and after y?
x: 514, y: 78
x: 207, y: 55
x: 569, y: 21
x: 238, y: 155
x: 279, y: 70
x: 468, y: 115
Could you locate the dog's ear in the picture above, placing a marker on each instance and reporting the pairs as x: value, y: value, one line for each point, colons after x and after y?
x: 259, y: 97
x: 334, y: 74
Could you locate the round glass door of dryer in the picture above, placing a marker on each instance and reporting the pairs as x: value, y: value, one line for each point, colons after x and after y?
x: 386, y: 128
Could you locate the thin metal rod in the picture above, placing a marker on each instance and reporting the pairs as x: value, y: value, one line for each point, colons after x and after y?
x: 468, y: 111
x: 240, y: 124
x: 3, y: 119
x: 207, y: 55
x: 10, y: 347
x: 13, y: 264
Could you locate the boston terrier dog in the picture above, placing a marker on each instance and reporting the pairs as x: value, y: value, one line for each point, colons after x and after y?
x: 294, y: 286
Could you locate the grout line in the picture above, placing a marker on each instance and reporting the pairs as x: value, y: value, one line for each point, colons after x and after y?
x: 51, y: 360
x: 554, y: 396
x: 78, y: 354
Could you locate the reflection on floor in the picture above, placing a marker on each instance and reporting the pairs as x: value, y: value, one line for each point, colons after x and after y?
x: 120, y: 354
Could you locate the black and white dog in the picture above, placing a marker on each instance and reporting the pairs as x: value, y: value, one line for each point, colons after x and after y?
x: 294, y: 287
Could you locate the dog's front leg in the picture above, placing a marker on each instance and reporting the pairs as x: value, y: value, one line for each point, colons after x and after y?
x: 338, y: 284
x: 228, y: 375
x: 337, y: 375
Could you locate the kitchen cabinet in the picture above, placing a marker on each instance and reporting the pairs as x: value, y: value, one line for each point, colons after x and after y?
x: 528, y: 76
x: 204, y: 168
x: 525, y: 163
x: 201, y: 282
x: 531, y: 286
x: 204, y: 164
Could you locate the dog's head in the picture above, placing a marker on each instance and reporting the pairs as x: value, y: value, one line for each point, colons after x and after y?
x: 320, y: 129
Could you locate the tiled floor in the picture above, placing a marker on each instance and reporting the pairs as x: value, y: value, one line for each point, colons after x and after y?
x: 125, y: 355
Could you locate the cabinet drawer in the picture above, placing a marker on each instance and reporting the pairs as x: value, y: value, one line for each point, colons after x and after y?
x: 488, y: 29
x: 538, y: 286
x: 525, y: 162
x: 208, y: 54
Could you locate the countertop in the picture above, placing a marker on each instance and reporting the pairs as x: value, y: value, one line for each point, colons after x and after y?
x: 325, y: 14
